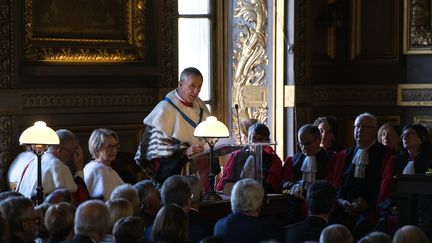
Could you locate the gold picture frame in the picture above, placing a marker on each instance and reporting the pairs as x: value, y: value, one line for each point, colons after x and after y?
x: 417, y: 27
x: 414, y: 95
x: 85, y: 31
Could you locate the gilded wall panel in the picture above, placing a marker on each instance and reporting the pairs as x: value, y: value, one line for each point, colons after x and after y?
x: 6, y: 45
x: 6, y: 141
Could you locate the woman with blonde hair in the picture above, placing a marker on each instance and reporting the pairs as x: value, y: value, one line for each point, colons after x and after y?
x: 59, y: 221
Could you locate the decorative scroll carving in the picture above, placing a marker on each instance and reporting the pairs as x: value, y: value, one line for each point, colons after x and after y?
x: 67, y: 43
x: 360, y: 95
x: 87, y: 100
x: 6, y: 45
x: 169, y: 48
x: 249, y: 58
x: 417, y: 27
x: 6, y: 141
x: 415, y: 95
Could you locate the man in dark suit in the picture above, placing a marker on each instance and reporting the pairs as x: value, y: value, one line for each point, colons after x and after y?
x: 92, y: 219
x: 244, y: 224
x: 320, y: 200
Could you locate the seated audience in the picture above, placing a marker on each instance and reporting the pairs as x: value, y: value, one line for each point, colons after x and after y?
x: 59, y: 221
x: 375, y: 237
x: 8, y: 194
x: 320, y: 201
x: 59, y: 195
x: 244, y: 224
x: 129, y: 230
x: 128, y: 192
x: 118, y: 209
x: 244, y: 129
x: 328, y: 128
x: 170, y: 225
x: 197, y: 190
x: 55, y: 172
x: 362, y: 170
x: 42, y: 234
x: 336, y: 233
x: 99, y: 176
x: 92, y: 219
x: 150, y: 201
x: 410, y: 234
x: 240, y: 162
x: 389, y: 134
x: 21, y: 216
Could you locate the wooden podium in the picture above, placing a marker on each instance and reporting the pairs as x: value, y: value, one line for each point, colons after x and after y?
x: 409, y: 187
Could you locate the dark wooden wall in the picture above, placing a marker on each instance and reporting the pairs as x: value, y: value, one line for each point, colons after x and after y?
x: 82, y: 96
x: 349, y: 61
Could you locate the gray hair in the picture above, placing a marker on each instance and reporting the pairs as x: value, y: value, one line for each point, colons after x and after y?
x: 97, y: 138
x: 176, y: 190
x: 66, y: 137
x: 336, y: 233
x: 366, y: 114
x: 309, y: 128
x: 15, y: 209
x: 92, y: 218
x: 408, y: 234
x: 246, y: 196
x: 188, y: 72
x: 128, y: 192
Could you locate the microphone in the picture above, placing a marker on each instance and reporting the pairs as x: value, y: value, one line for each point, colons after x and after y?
x: 236, y: 107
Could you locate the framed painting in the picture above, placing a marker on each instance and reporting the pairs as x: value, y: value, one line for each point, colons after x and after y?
x: 417, y: 27
x: 85, y: 30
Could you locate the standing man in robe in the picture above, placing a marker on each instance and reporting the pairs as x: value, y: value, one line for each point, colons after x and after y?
x: 168, y: 140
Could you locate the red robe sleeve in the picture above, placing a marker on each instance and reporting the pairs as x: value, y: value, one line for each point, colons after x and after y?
x: 274, y: 174
x: 288, y: 171
x: 228, y: 171
x: 335, y: 168
x: 388, y: 182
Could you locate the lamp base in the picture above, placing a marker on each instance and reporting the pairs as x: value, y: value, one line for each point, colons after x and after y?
x: 212, y: 196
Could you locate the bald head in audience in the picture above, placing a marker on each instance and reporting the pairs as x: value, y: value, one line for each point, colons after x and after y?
x: 92, y: 220
x: 410, y: 234
x: 336, y: 233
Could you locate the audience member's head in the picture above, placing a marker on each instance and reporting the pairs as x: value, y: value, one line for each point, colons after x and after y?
x: 59, y: 220
x: 59, y: 195
x: 9, y: 194
x: 212, y: 239
x: 92, y: 219
x: 128, y: 192
x: 4, y: 230
x: 309, y: 139
x: 328, y: 128
x: 176, y: 190
x: 247, y: 196
x: 416, y: 137
x: 119, y: 208
x: 42, y: 231
x: 19, y: 212
x: 258, y: 132
x: 336, y: 233
x: 365, y: 129
x: 129, y: 230
x: 244, y: 128
x: 389, y: 134
x: 375, y: 237
x: 321, y: 198
x: 149, y: 197
x: 197, y: 190
x: 171, y: 224
x: 410, y: 234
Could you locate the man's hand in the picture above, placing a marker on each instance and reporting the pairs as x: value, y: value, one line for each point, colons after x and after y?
x: 355, y: 207
x: 79, y: 158
x: 194, y: 149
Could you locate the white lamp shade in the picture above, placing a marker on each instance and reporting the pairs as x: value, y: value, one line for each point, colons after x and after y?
x: 211, y: 128
x: 39, y: 134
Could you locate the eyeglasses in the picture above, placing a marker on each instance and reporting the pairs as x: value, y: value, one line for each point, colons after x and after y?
x: 111, y: 147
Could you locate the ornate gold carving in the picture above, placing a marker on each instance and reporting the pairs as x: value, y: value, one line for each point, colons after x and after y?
x: 414, y: 95
x: 249, y: 58
x: 6, y: 46
x: 169, y: 49
x: 88, y: 49
x: 6, y: 124
x: 424, y: 120
x: 87, y: 100
x: 417, y: 27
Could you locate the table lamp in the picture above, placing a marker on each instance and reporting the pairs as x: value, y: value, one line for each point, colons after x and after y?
x: 211, y: 130
x: 38, y: 137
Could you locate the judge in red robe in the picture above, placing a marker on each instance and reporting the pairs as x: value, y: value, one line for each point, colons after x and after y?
x: 237, y: 165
